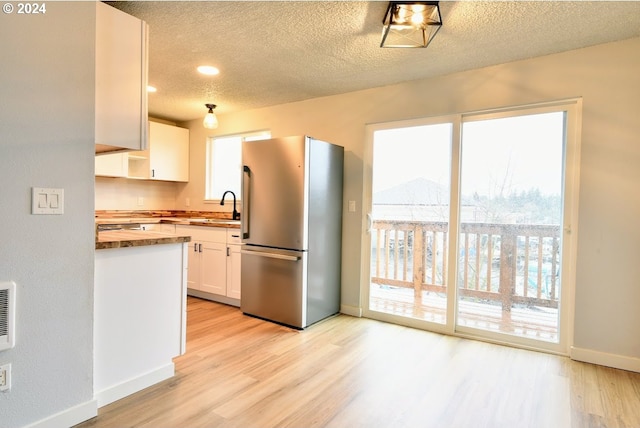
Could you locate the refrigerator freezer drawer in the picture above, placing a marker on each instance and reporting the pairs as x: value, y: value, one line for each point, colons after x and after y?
x: 273, y: 285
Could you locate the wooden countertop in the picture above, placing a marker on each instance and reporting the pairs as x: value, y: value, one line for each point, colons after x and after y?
x: 136, y: 238
x: 207, y: 222
x: 194, y: 218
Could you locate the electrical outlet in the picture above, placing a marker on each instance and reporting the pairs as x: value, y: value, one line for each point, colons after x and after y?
x: 140, y: 201
x: 5, y: 377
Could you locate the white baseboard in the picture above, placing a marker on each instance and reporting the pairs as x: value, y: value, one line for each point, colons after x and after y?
x: 121, y: 390
x: 214, y: 297
x: 69, y: 417
x: 354, y: 311
x: 604, y: 359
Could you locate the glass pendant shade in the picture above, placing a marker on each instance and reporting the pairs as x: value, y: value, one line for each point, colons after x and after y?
x: 410, y: 24
x: 210, y: 120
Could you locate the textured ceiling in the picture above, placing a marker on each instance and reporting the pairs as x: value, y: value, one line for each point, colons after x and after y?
x: 272, y: 52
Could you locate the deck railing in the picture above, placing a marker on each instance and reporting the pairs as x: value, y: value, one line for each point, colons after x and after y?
x: 504, y: 263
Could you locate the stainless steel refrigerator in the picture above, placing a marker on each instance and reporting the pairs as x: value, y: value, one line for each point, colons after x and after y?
x: 292, y: 229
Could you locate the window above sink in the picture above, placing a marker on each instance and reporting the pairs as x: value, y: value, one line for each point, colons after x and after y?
x: 224, y: 163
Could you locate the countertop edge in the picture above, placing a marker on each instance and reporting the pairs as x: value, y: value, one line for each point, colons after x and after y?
x: 222, y: 223
x: 136, y: 238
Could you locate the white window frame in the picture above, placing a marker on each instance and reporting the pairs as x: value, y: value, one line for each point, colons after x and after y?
x: 573, y: 109
x: 213, y: 190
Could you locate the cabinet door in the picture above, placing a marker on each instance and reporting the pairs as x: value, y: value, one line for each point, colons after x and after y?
x: 193, y: 267
x: 193, y: 256
x: 233, y: 272
x: 213, y: 268
x: 169, y: 152
x: 121, y: 79
x: 112, y: 165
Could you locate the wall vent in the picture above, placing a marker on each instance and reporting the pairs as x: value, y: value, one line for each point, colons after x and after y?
x: 7, y: 314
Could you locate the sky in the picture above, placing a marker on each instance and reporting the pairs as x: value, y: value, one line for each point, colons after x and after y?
x: 506, y: 154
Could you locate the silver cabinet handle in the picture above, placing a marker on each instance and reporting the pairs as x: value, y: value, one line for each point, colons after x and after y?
x: 271, y: 255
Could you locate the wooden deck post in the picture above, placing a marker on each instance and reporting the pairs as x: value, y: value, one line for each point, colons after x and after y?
x: 418, y: 263
x: 508, y: 268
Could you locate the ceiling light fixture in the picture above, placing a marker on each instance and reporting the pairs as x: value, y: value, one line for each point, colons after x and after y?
x: 410, y: 24
x: 210, y: 120
x: 208, y: 70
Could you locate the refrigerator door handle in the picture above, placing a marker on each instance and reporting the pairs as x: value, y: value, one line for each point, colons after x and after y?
x: 271, y: 255
x: 246, y: 189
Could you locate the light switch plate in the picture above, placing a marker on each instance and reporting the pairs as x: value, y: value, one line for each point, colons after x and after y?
x: 47, y: 201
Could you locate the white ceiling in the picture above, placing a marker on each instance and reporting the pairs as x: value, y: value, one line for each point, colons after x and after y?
x: 274, y: 52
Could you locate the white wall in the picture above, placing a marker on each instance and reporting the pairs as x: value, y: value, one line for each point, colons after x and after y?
x: 46, y: 140
x: 606, y: 76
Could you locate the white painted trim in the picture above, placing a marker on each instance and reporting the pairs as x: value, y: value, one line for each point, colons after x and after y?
x: 616, y: 361
x: 128, y: 387
x: 573, y: 108
x: 213, y: 297
x: 354, y: 311
x: 68, y: 417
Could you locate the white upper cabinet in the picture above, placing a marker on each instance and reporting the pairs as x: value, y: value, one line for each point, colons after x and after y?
x: 112, y: 165
x: 168, y: 152
x: 121, y: 80
x: 166, y: 159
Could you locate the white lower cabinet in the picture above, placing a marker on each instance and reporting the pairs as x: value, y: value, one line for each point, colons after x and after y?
x: 214, y: 263
x: 209, y: 268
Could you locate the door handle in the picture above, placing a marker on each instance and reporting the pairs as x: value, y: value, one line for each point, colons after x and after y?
x: 246, y: 194
x: 271, y: 255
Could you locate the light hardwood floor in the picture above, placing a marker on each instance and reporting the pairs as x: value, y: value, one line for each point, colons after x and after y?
x: 351, y: 372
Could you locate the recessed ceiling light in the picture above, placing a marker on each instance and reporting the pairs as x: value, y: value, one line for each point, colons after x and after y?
x: 208, y: 70
x: 151, y: 89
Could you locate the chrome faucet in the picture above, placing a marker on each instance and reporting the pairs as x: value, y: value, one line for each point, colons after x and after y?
x: 236, y: 214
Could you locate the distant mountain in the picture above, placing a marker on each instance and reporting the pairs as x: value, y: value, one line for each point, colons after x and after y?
x: 419, y: 191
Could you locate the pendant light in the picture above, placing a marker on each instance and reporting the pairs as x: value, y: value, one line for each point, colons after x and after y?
x: 210, y: 120
x: 410, y: 24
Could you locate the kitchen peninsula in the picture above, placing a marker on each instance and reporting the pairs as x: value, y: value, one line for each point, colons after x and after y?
x: 214, y: 249
x: 139, y: 310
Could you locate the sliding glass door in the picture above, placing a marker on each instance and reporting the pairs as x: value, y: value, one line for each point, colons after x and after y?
x: 470, y: 224
x: 410, y: 221
x: 511, y: 221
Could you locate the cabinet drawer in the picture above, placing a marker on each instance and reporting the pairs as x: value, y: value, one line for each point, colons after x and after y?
x: 208, y: 234
x: 213, y: 234
x: 233, y: 236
